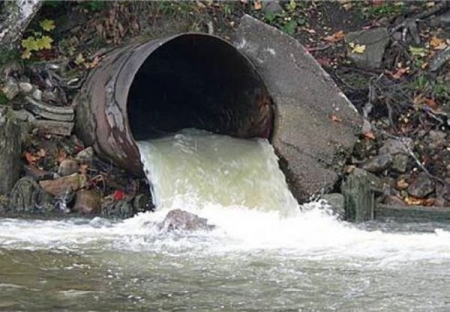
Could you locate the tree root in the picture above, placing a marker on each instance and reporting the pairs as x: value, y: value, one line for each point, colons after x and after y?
x: 409, y: 25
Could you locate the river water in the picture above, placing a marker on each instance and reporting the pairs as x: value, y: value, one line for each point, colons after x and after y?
x: 258, y: 258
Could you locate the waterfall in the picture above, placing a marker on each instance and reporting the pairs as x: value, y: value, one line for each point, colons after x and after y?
x: 194, y: 168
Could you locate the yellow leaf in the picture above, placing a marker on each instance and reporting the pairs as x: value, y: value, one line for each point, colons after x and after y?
x: 359, y: 48
x: 79, y: 59
x: 30, y: 44
x: 47, y: 25
x: 44, y: 43
x: 26, y: 54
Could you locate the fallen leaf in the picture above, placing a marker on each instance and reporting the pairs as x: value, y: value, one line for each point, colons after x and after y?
x: 47, y: 25
x: 399, y: 73
x: 62, y: 155
x: 369, y: 135
x: 30, y: 158
x: 358, y: 48
x: 257, y: 5
x: 437, y: 44
x: 401, y: 184
x: 430, y: 102
x: 335, y: 118
x: 336, y: 37
x: 417, y: 51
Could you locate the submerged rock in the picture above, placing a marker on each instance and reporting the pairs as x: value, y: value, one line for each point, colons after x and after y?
x: 88, y: 202
x: 184, y: 221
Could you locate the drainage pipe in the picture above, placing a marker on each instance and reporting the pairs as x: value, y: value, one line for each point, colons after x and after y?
x: 148, y: 90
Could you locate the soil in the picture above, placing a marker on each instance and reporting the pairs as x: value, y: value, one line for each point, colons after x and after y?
x: 402, y: 98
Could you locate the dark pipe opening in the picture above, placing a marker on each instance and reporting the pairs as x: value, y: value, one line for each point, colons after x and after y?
x: 198, y: 81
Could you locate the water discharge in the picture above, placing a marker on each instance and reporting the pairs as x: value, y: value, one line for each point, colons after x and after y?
x: 195, y: 168
x: 264, y: 254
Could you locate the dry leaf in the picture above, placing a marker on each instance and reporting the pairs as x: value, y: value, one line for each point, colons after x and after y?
x: 336, y: 118
x: 369, y: 135
x: 257, y: 5
x: 401, y: 184
x: 437, y: 44
x: 30, y: 158
x: 338, y: 36
x: 399, y: 73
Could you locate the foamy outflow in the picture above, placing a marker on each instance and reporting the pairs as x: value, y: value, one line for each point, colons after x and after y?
x: 253, y: 216
x: 194, y: 168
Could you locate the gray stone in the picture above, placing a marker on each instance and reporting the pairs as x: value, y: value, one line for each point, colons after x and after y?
x: 437, y: 139
x: 312, y: 146
x: 375, y: 42
x: 37, y: 95
x: 272, y: 7
x: 85, y: 155
x: 23, y: 115
x: 397, y: 146
x: 47, y: 111
x: 11, y: 88
x: 336, y: 202
x: 422, y: 186
x: 400, y: 162
x: 25, y: 87
x: 68, y: 167
x: 180, y: 220
x: 50, y: 96
x: 378, y: 163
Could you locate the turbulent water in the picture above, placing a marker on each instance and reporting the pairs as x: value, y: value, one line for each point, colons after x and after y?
x: 260, y: 256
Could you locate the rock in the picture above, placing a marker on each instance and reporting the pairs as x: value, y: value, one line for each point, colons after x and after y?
x: 10, y: 150
x: 56, y: 186
x: 180, y: 220
x: 397, y: 146
x: 23, y: 115
x: 378, y: 163
x: 25, y: 87
x: 336, y: 201
x: 422, y: 186
x: 11, y: 88
x: 312, y: 148
x: 121, y: 208
x: 437, y: 139
x: 37, y: 95
x: 85, y: 155
x: 88, y: 202
x: 400, y: 162
x: 375, y: 42
x: 50, y: 96
x: 27, y: 196
x: 272, y: 7
x: 52, y: 127
x: 142, y: 202
x: 393, y: 201
x: 68, y: 167
x: 38, y: 174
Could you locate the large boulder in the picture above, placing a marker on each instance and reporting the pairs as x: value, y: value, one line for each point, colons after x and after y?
x: 316, y: 126
x: 184, y: 221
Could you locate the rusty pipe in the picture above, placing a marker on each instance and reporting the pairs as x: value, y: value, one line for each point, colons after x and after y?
x: 150, y: 89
